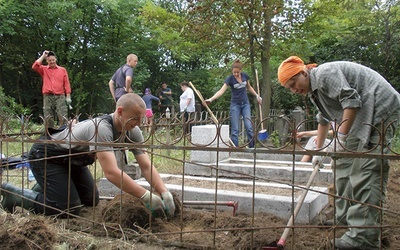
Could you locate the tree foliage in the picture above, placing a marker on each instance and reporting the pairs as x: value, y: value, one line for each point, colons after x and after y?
x: 189, y: 40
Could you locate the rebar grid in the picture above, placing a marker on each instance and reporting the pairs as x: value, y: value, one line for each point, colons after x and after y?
x: 168, y: 134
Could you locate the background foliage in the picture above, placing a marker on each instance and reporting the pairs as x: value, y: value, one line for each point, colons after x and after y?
x: 188, y: 40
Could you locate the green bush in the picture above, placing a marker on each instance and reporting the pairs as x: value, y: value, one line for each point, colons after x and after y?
x: 275, y: 138
x: 8, y: 106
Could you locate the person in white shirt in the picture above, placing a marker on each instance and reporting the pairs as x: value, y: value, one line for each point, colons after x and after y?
x: 187, y: 107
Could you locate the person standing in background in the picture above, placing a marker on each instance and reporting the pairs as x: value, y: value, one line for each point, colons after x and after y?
x: 121, y: 81
x: 148, y: 99
x: 56, y: 88
x: 187, y: 107
x: 165, y: 95
x: 240, y: 104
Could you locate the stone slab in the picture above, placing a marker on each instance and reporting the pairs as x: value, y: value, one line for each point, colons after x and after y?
x: 280, y: 206
x: 269, y: 170
x: 209, y: 136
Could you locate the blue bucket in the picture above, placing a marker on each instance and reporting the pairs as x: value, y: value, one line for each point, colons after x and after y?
x: 263, y: 135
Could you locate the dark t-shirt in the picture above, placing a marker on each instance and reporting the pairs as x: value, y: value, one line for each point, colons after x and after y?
x: 119, y: 78
x: 166, y: 98
x: 239, y: 89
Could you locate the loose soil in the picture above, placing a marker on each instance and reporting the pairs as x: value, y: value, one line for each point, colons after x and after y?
x: 112, y: 226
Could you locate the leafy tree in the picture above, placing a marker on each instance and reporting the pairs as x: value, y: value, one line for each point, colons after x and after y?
x: 362, y: 31
x: 238, y: 29
x: 188, y: 40
x: 359, y: 31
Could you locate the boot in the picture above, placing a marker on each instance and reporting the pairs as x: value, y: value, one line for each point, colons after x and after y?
x: 37, y: 188
x: 11, y: 198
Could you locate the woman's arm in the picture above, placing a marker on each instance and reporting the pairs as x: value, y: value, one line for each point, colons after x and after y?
x: 251, y: 89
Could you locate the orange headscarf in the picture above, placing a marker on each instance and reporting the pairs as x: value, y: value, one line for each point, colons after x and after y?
x: 291, y: 67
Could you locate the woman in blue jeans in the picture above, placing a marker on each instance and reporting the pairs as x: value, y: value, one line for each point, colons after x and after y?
x: 240, y: 105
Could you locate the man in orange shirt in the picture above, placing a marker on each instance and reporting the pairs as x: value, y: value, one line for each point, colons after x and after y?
x: 56, y: 88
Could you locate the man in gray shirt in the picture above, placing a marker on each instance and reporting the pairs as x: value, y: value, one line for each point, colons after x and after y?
x: 60, y: 167
x: 121, y: 81
x: 357, y: 98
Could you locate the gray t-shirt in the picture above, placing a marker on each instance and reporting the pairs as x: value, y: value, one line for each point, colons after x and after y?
x: 85, y: 133
x: 336, y: 86
x: 119, y: 79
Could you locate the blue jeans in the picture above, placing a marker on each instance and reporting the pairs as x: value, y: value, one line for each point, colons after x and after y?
x: 243, y: 109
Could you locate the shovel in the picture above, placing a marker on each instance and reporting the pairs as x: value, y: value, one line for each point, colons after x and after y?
x: 215, y: 120
x: 263, y: 134
x: 282, y: 240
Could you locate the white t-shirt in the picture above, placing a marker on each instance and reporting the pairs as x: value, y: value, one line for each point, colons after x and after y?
x: 188, y: 93
x: 311, y: 145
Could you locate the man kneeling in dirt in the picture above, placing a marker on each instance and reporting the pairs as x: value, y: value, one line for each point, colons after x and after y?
x: 65, y: 183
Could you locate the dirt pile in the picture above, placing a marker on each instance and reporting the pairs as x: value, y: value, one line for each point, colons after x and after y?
x: 31, y: 232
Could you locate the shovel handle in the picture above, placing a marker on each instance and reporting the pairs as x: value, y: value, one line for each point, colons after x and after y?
x: 215, y: 120
x: 286, y: 232
x: 259, y: 105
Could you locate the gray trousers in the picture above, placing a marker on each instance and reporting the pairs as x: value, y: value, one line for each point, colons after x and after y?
x: 363, y: 180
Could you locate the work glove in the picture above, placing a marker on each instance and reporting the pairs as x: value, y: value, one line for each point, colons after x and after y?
x: 317, y: 161
x: 169, y: 203
x: 68, y: 101
x: 157, y: 205
x: 340, y: 144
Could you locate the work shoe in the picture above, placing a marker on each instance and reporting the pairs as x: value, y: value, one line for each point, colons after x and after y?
x: 343, y: 245
x: 15, y: 196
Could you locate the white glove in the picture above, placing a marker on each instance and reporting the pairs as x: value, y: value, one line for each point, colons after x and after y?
x: 341, y: 142
x: 169, y: 203
x: 317, y: 161
x: 68, y: 100
x: 156, y: 202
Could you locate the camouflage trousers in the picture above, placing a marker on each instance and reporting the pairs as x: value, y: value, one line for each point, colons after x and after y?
x: 55, y: 109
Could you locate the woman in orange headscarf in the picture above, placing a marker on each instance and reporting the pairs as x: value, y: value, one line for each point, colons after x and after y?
x: 358, y: 99
x: 291, y: 68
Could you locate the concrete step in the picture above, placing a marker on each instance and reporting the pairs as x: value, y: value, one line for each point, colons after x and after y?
x: 272, y: 198
x: 267, y: 170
